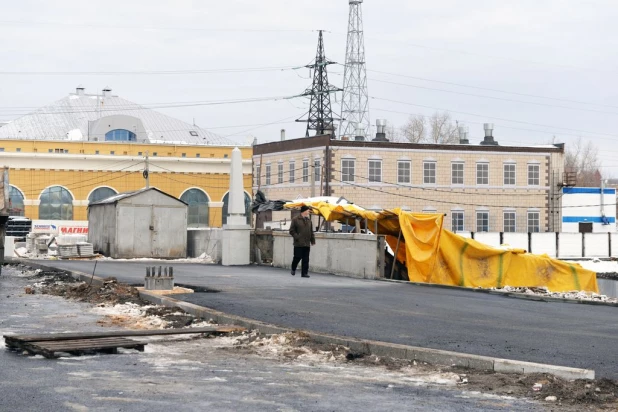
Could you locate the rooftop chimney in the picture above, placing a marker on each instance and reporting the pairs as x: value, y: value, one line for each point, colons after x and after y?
x: 489, y: 135
x: 282, y: 134
x: 359, y: 133
x: 381, y: 134
x: 80, y: 90
x: 463, y: 135
x: 107, y: 91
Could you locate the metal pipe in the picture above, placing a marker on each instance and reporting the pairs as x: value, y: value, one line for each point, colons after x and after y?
x: 395, y: 255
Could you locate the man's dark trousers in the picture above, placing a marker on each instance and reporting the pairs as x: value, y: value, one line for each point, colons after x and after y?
x: 301, y: 253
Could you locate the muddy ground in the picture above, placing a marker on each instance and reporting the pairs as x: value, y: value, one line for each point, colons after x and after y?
x: 576, y: 395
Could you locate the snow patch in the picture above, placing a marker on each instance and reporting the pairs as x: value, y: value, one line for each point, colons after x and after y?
x: 573, y: 295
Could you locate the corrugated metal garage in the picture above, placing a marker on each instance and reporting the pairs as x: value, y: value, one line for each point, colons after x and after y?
x: 147, y: 223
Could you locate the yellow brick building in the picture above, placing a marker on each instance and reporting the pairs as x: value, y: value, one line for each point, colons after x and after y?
x: 86, y: 147
x: 83, y: 168
x: 479, y: 187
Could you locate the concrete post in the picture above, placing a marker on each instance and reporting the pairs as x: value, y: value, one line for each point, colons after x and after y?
x: 236, y: 233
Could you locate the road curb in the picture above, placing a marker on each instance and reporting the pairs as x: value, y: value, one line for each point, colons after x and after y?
x: 431, y: 356
x: 536, y: 298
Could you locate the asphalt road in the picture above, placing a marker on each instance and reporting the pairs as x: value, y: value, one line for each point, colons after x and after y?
x: 583, y: 336
x: 198, y: 375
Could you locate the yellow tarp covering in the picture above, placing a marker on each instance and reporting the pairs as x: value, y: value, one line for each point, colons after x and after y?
x: 433, y: 254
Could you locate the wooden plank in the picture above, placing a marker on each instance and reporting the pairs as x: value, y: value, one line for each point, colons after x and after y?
x: 121, y: 333
x: 84, y: 343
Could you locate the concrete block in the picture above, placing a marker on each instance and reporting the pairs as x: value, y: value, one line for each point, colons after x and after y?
x: 236, y: 246
x: 511, y: 366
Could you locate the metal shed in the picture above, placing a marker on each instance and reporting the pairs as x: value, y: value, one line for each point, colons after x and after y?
x: 147, y: 223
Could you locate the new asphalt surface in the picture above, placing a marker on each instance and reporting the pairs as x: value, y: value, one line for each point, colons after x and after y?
x: 186, y: 374
x: 582, y: 336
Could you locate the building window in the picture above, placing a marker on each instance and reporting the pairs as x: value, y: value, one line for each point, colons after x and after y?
x: 305, y: 171
x: 318, y: 169
x: 347, y: 170
x: 292, y: 176
x: 197, y: 212
x: 375, y: 171
x: 482, y: 173
x: 226, y: 199
x: 56, y: 203
x: 404, y: 171
x: 18, y: 149
x: 268, y: 175
x: 112, y: 152
x: 120, y: 135
x: 258, y: 175
x: 534, y: 175
x: 534, y: 222
x: 184, y: 155
x: 280, y: 172
x: 509, y: 174
x: 100, y: 194
x: 429, y: 173
x: 509, y: 221
x: 139, y: 153
x: 96, y: 152
x: 198, y: 155
x: 482, y: 221
x: 50, y: 150
x: 16, y: 202
x: 457, y: 224
x: 457, y: 173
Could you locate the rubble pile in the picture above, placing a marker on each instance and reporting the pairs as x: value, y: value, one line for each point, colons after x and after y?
x: 574, y: 295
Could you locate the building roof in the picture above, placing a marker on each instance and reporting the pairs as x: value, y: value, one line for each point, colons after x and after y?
x: 325, y: 140
x: 126, y: 195
x: 70, y: 118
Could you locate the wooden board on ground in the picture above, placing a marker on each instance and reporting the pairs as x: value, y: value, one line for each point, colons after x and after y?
x: 50, y: 344
x: 50, y: 349
x: 212, y: 330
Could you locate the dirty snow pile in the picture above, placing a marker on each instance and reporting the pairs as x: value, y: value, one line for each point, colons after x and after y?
x: 203, y: 258
x: 128, y: 315
x: 544, y: 292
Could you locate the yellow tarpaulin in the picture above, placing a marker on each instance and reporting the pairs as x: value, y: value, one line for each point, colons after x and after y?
x: 433, y: 254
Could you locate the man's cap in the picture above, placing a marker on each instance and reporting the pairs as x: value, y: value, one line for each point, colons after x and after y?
x: 304, y: 208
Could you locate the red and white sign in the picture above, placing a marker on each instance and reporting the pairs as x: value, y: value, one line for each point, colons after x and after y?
x: 73, y: 230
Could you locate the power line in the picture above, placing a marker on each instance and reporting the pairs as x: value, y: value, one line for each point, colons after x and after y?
x: 493, y: 90
x: 145, y: 72
x: 454, y: 191
x: 494, y: 98
x: 23, y: 23
x: 492, y: 117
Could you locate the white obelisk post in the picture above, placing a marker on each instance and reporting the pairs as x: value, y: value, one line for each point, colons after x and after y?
x: 236, y: 233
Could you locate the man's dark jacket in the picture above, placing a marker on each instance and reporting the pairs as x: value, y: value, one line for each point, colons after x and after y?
x: 302, y: 232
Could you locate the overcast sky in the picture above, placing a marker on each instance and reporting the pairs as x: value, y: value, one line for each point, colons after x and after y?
x: 446, y: 55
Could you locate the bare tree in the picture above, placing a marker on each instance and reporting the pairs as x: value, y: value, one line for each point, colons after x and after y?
x: 582, y: 158
x: 443, y: 130
x: 415, y: 129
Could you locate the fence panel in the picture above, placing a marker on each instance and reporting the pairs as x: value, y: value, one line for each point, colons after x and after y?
x: 516, y: 240
x: 596, y: 245
x: 570, y: 245
x: 543, y: 243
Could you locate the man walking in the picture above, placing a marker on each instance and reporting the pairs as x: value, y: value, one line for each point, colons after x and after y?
x: 302, y: 232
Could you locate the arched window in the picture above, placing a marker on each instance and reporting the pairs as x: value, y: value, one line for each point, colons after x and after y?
x: 226, y: 199
x: 198, y: 207
x: 16, y: 202
x: 56, y: 204
x: 120, y: 135
x: 100, y: 194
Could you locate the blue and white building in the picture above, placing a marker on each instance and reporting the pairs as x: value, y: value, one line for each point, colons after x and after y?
x: 588, y: 209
